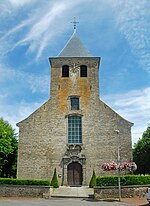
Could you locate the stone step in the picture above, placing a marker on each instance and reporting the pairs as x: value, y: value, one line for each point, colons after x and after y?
x: 79, y: 192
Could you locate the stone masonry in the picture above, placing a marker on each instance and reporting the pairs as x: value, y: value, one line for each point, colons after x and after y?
x: 43, y: 143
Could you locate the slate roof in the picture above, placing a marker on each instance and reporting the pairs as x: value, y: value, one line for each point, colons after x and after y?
x: 74, y: 48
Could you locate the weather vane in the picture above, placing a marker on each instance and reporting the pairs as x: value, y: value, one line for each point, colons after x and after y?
x: 75, y: 24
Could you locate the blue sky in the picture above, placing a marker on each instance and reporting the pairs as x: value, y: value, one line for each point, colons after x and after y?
x: 118, y: 31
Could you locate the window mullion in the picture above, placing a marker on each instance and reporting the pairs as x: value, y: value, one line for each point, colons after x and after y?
x: 74, y: 130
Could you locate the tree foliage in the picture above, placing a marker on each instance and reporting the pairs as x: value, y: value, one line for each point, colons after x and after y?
x: 141, y: 153
x: 54, y: 181
x: 8, y: 150
x: 93, y: 180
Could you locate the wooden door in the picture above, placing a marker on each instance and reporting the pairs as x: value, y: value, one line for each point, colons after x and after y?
x: 74, y: 175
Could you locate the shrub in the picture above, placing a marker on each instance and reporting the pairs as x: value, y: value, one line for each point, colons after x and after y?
x: 107, y: 181
x: 54, y: 181
x: 135, y: 180
x: 125, y: 180
x: 93, y: 180
x: 10, y: 181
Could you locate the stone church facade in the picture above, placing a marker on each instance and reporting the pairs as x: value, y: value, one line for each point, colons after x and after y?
x: 74, y: 131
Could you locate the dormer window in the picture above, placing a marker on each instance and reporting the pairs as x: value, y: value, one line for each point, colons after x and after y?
x: 65, y: 71
x: 74, y: 103
x: 83, y: 71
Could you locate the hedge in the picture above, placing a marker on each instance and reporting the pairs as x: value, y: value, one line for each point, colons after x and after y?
x: 10, y: 181
x: 125, y: 180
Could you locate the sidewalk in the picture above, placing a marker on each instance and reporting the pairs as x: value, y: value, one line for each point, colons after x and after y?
x: 22, y: 201
x: 137, y: 201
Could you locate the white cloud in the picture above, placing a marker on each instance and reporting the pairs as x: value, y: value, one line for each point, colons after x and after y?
x: 133, y: 106
x: 41, y: 25
x: 15, y: 113
x: 47, y: 19
x: 17, y: 28
x: 10, y: 7
x: 20, y: 3
x: 132, y: 21
x: 36, y: 83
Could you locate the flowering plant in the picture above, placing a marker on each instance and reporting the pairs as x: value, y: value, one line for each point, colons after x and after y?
x: 109, y: 166
x: 130, y: 166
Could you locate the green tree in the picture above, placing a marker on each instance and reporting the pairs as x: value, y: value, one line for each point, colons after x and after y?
x: 141, y: 153
x: 93, y: 180
x: 8, y: 150
x: 54, y: 181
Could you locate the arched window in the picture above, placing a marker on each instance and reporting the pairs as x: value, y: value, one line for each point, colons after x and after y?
x: 83, y: 71
x: 65, y: 71
x: 74, y: 129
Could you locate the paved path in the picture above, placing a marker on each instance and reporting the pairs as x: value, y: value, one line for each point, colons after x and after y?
x: 59, y: 202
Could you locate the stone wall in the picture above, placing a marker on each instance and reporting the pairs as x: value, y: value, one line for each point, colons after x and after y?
x: 23, y: 191
x: 46, y: 191
x: 43, y: 144
x: 126, y: 191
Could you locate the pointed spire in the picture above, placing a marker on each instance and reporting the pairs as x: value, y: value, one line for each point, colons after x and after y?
x: 74, y: 48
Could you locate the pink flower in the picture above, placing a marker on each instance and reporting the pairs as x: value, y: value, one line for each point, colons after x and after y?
x: 130, y: 166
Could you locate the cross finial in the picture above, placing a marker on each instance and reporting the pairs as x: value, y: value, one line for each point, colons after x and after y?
x: 75, y: 24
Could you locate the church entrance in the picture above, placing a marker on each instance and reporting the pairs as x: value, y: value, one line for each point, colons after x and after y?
x: 74, y: 174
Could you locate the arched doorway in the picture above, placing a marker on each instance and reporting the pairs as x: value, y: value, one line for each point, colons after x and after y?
x: 74, y: 174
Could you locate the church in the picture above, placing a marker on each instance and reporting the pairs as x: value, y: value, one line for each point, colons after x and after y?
x: 74, y: 131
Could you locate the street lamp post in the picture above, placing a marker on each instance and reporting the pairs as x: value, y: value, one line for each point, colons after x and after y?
x: 129, y: 166
x: 118, y: 160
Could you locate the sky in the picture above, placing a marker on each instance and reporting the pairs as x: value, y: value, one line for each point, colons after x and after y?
x: 118, y: 31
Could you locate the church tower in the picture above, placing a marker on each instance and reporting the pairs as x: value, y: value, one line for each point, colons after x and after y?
x: 74, y: 131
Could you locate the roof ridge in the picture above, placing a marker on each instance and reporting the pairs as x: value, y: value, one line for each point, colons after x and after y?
x: 67, y: 43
